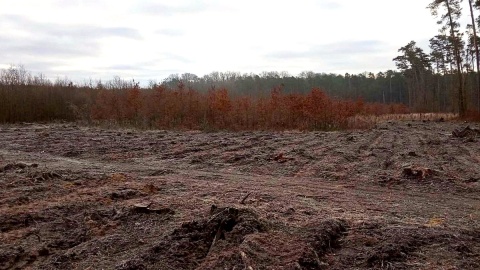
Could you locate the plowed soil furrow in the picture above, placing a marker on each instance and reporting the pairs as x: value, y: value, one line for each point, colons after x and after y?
x: 405, y: 195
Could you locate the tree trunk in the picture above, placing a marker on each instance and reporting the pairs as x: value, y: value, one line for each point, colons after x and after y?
x: 461, y: 92
x: 476, y: 53
x: 390, y: 92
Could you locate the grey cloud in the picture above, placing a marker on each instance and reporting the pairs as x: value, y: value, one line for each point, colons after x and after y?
x: 71, y: 31
x: 48, y: 47
x: 354, y: 56
x: 335, y: 50
x: 47, y: 41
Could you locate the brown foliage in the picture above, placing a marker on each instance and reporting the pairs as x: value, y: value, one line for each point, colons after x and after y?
x: 180, y: 107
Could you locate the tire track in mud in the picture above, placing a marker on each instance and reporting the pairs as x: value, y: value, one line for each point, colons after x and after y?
x: 310, y: 146
x: 383, y: 149
x: 99, y: 167
x: 372, y: 138
x: 318, y: 156
x: 351, y: 153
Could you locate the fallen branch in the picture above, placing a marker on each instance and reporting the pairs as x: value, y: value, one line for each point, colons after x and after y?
x: 245, y: 198
x: 217, y: 214
x: 217, y: 235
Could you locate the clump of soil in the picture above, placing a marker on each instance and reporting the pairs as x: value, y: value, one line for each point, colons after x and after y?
x: 189, y: 245
x: 323, y: 237
x: 375, y: 246
x: 395, y: 247
x: 466, y: 132
x: 234, y: 238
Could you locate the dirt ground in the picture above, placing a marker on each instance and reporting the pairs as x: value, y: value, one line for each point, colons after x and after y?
x: 404, y: 195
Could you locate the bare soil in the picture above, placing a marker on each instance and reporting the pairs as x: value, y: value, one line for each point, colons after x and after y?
x: 405, y: 195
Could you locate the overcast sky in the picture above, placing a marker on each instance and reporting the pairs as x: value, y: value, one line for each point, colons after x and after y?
x: 150, y: 39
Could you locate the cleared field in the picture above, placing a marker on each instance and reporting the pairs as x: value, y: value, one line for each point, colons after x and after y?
x: 405, y: 195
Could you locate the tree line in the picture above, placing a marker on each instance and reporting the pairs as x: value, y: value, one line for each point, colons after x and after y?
x: 179, y: 105
x: 383, y: 87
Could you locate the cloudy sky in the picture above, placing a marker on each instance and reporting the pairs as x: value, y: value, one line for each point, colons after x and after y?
x: 150, y: 39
